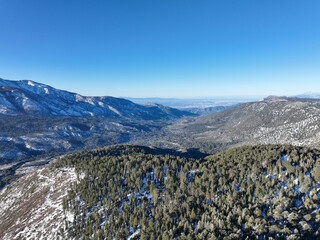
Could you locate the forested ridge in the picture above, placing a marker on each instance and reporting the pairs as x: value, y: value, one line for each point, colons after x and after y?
x: 251, y: 192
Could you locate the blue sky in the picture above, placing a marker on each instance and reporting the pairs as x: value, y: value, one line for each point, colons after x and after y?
x: 163, y: 48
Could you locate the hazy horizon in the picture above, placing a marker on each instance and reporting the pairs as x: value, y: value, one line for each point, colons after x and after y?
x: 236, y: 97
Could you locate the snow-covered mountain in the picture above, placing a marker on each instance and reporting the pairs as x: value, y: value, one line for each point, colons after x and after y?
x: 272, y: 120
x: 29, y: 97
x: 38, y: 119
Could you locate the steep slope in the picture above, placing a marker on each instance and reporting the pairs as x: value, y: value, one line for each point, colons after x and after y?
x: 132, y: 192
x: 272, y: 120
x: 29, y: 97
x: 31, y: 207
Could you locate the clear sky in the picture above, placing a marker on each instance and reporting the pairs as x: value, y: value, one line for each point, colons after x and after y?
x: 163, y: 48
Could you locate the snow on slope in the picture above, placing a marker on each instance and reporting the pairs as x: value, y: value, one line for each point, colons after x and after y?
x: 29, y: 97
x: 31, y: 207
x: 273, y: 120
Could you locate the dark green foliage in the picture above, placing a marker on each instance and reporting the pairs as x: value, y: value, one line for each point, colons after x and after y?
x: 243, y: 192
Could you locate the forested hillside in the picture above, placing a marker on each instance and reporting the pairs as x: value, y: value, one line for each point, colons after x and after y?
x: 141, y: 193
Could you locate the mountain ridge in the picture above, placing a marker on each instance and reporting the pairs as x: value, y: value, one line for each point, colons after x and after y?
x: 279, y: 120
x: 29, y: 97
x: 37, y: 119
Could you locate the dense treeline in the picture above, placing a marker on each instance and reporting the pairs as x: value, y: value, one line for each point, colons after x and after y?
x: 258, y: 192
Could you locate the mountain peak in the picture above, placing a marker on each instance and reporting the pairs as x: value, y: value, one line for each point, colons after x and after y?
x: 275, y: 98
x: 153, y: 105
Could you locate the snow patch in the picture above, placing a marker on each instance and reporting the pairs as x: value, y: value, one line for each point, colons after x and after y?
x: 114, y: 110
x: 134, y: 234
x: 30, y: 83
x: 42, y: 217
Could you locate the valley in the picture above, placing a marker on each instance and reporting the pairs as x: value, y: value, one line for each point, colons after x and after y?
x: 248, y: 170
x: 159, y: 120
x: 39, y: 122
x: 273, y: 120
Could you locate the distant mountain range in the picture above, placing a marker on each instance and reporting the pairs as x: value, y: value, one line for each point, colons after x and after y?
x: 191, y: 104
x: 277, y: 120
x: 209, y: 110
x: 32, y: 98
